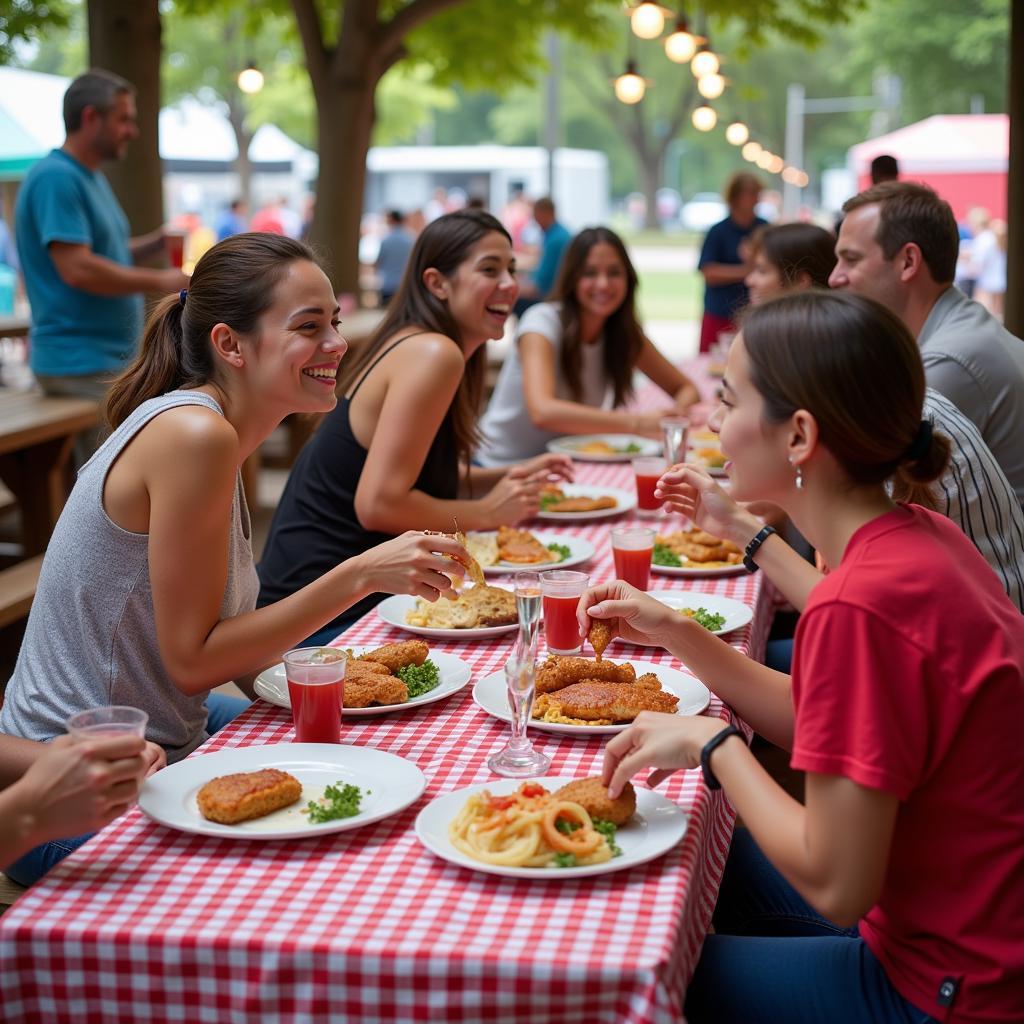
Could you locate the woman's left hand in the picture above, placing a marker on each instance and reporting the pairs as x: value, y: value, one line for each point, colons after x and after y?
x: 542, y: 468
x: 664, y: 742
x: 155, y: 757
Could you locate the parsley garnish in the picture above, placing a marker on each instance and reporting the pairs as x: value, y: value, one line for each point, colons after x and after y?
x: 567, y: 827
x: 665, y: 556
x: 549, y: 499
x: 709, y: 620
x: 608, y: 830
x: 561, y: 551
x: 565, y: 860
x: 341, y: 801
x: 419, y: 679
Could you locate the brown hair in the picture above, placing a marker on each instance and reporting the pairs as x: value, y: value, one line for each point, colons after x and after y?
x: 233, y: 283
x: 856, y: 368
x: 623, y: 337
x: 911, y: 212
x: 795, y: 249
x: 738, y: 183
x: 442, y: 245
x: 94, y: 88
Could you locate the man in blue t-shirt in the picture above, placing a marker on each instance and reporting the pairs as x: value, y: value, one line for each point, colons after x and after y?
x: 395, y: 250
x: 723, y: 259
x: 76, y: 254
x: 542, y: 278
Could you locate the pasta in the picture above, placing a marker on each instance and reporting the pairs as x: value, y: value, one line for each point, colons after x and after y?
x: 529, y: 828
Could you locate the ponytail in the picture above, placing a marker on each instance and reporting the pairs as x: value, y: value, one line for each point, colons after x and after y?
x: 234, y: 284
x: 157, y: 368
x: 912, y: 478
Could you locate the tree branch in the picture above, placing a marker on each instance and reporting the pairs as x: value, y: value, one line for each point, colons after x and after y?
x: 311, y: 32
x: 394, y: 31
x: 676, y: 123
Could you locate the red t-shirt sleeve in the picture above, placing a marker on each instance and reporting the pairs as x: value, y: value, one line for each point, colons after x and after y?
x: 860, y: 699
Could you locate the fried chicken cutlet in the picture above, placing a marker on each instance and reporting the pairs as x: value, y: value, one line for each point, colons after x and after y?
x: 230, y: 799
x: 600, y: 636
x: 396, y: 656
x: 374, y: 689
x: 620, y: 702
x: 592, y: 796
x: 520, y: 546
x: 558, y: 672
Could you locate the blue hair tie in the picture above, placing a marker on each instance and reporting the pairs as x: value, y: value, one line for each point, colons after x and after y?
x: 182, y: 295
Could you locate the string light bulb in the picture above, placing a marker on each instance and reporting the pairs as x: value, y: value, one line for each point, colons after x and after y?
x: 705, y: 62
x: 775, y: 165
x: 647, y: 20
x: 630, y: 86
x: 704, y: 118
x: 764, y: 160
x: 250, y: 79
x: 681, y: 45
x: 711, y: 86
x: 751, y: 151
x: 737, y: 133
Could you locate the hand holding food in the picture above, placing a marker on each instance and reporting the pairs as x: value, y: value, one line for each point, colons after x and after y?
x: 665, y: 742
x: 600, y: 636
x: 628, y: 612
x: 415, y: 563
x: 692, y: 493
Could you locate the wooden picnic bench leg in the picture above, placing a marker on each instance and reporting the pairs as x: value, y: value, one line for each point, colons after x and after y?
x: 37, y: 477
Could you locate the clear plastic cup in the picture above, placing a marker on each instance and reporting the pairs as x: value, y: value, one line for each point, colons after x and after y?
x: 174, y: 247
x: 649, y: 470
x: 673, y: 432
x: 561, y: 590
x: 113, y: 720
x: 632, y: 550
x: 316, y: 678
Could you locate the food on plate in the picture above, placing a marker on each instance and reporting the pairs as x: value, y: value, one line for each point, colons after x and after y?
x: 532, y: 828
x: 520, y: 546
x: 709, y: 620
x: 554, y: 499
x: 703, y: 436
x: 471, y: 565
x: 339, y: 801
x: 474, y: 608
x: 600, y: 636
x: 483, y: 547
x: 592, y: 796
x: 596, y: 702
x: 229, y: 799
x: 396, y: 656
x: 557, y: 672
x: 374, y: 689
x: 694, y: 547
x: 604, y: 448
x: 710, y: 457
x: 392, y: 674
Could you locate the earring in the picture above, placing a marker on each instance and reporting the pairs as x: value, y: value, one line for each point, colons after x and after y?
x: 799, y: 476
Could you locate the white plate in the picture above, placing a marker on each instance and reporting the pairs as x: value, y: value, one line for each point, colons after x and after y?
x: 389, y: 785
x: 272, y: 685
x: 392, y: 610
x: 491, y: 694
x: 657, y: 827
x: 572, y: 444
x: 694, y: 570
x: 580, y: 550
x: 626, y: 501
x: 737, y: 614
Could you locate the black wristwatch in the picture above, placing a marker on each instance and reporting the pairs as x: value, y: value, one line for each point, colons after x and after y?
x: 752, y: 548
x: 709, y: 748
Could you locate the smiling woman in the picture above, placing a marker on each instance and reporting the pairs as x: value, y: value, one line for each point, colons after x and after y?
x: 154, y: 542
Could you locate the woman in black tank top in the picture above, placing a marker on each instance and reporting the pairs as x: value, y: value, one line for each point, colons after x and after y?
x: 394, y: 454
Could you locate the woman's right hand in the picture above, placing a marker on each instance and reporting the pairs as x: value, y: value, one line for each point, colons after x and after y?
x: 629, y: 612
x: 693, y: 493
x: 415, y: 563
x: 513, y: 498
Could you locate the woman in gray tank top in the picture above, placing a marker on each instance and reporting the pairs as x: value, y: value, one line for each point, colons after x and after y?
x: 147, y: 592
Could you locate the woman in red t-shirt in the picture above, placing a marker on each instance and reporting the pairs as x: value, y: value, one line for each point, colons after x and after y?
x: 894, y: 893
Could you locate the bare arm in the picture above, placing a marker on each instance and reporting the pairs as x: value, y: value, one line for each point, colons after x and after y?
x: 79, y: 267
x: 671, y: 380
x: 561, y: 415
x: 142, y: 247
x: 724, y: 273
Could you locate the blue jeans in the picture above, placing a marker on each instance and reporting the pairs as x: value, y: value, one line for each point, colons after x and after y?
x: 34, y: 864
x: 775, y: 960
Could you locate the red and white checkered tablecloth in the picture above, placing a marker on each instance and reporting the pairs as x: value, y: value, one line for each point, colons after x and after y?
x: 147, y: 924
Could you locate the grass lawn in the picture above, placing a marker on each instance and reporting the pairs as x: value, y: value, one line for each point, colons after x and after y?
x: 671, y: 295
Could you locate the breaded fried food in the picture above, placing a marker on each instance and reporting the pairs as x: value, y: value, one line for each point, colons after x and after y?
x: 396, y: 656
x: 520, y: 546
x: 698, y: 546
x: 473, y: 608
x: 582, y: 504
x: 230, y: 799
x: 483, y: 547
x: 360, y: 670
x: 558, y: 672
x: 374, y: 689
x: 621, y: 702
x: 648, y: 681
x: 476, y: 574
x: 600, y: 636
x: 494, y: 606
x: 592, y: 795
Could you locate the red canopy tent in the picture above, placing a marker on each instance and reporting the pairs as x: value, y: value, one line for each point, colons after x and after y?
x: 962, y: 156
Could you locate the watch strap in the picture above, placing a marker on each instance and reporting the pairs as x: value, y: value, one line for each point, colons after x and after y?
x: 709, y: 748
x: 752, y: 548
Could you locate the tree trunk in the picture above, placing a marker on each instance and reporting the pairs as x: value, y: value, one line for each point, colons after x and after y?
x: 243, y: 166
x: 345, y: 125
x: 124, y: 37
x: 649, y: 165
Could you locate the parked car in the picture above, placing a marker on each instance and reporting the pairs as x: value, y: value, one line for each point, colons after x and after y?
x: 703, y: 210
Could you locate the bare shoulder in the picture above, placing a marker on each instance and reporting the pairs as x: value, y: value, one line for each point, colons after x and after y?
x: 436, y: 347
x: 190, y: 432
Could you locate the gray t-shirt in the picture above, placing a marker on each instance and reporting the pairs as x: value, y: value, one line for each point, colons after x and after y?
x: 978, y: 365
x: 508, y: 433
x: 91, y: 635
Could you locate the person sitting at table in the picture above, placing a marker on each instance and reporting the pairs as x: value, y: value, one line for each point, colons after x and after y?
x: 68, y: 785
x: 894, y: 893
x: 973, y: 491
x: 571, y: 368
x: 395, y: 453
x: 147, y: 592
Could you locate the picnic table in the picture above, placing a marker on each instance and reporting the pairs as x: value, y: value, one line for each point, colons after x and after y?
x: 147, y: 923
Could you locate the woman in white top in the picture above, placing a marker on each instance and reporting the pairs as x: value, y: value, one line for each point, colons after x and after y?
x: 571, y: 369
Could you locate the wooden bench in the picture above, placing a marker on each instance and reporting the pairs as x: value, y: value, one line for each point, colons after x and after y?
x: 18, y: 588
x: 9, y: 891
